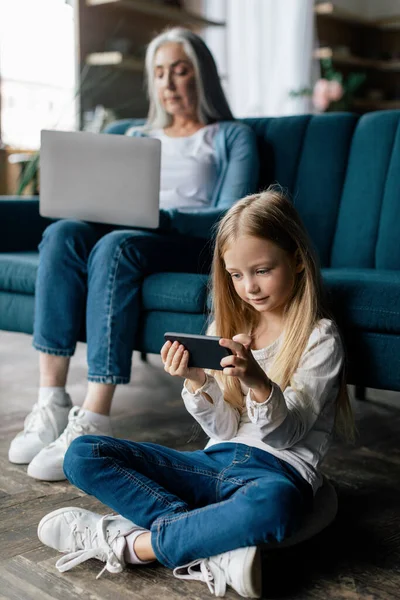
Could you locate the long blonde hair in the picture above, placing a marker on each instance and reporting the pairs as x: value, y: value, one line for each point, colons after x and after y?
x: 271, y: 216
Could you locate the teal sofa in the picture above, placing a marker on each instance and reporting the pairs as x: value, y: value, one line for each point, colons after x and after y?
x: 343, y: 172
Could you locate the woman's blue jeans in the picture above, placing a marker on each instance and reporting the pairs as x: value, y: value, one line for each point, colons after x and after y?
x: 97, y: 270
x: 196, y: 504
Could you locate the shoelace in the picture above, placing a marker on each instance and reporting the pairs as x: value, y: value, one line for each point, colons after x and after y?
x: 212, y: 571
x: 73, y: 429
x: 39, y: 419
x: 96, y: 544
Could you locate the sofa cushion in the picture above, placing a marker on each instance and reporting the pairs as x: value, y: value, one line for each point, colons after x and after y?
x: 367, y: 228
x: 175, y: 292
x: 365, y: 298
x: 362, y: 298
x: 16, y: 312
x: 308, y: 156
x: 18, y: 271
x: 154, y: 323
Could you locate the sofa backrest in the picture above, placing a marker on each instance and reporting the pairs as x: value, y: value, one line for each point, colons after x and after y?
x: 368, y: 226
x: 308, y: 155
x: 343, y: 173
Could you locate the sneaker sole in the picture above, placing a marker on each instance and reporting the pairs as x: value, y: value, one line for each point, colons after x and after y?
x: 45, y: 475
x: 252, y: 585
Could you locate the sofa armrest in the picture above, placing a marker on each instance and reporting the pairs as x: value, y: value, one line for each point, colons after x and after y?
x: 196, y: 222
x: 21, y: 225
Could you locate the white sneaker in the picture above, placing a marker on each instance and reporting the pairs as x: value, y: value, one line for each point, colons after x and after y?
x: 241, y: 569
x: 48, y: 464
x: 43, y: 425
x: 85, y: 534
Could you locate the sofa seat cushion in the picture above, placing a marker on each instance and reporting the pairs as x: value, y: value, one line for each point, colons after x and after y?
x: 362, y: 298
x: 175, y: 292
x: 18, y: 271
x: 366, y: 299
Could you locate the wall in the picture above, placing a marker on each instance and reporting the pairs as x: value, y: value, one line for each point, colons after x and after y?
x: 37, y: 70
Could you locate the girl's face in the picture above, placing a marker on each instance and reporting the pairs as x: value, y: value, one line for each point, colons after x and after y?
x: 262, y: 273
x: 174, y: 81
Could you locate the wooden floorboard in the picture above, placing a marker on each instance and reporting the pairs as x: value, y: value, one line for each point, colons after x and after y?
x: 356, y: 558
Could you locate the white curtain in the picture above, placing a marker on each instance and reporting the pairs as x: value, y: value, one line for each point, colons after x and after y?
x: 265, y: 51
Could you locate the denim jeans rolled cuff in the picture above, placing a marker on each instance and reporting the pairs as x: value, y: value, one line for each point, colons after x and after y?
x: 110, y: 379
x: 54, y: 351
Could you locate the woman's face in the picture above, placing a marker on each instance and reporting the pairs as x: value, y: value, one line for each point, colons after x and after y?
x: 175, y: 81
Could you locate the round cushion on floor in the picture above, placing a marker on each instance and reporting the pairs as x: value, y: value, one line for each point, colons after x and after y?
x: 323, y: 513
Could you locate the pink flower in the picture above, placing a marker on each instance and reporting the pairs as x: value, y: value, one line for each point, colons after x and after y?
x: 321, y: 94
x: 336, y: 90
x: 326, y: 92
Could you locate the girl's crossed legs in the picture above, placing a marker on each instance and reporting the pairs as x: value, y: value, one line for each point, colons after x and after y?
x: 195, y: 504
x: 202, y: 513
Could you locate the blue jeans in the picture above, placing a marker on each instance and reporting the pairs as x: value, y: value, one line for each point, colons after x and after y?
x: 97, y: 271
x: 196, y: 504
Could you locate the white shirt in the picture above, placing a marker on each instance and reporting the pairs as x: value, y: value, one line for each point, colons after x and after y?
x: 294, y: 425
x: 188, y: 168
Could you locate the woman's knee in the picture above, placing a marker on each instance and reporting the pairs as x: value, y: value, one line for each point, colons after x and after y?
x: 116, y: 244
x: 65, y: 229
x: 65, y: 233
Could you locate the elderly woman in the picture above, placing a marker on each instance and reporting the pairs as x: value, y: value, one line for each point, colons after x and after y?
x: 208, y: 162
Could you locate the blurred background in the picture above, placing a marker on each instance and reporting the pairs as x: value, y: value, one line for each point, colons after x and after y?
x: 78, y: 64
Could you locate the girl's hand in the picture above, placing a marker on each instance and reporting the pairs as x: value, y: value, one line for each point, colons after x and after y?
x: 244, y: 366
x: 175, y: 359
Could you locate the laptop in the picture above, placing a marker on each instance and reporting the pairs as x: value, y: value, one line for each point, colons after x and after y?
x: 103, y: 178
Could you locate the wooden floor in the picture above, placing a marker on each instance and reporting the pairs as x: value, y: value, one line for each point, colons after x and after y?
x: 358, y: 557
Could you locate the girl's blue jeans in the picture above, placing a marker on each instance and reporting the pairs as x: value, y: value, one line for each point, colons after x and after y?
x: 95, y: 272
x: 195, y: 504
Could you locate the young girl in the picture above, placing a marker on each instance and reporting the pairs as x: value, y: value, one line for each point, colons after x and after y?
x: 270, y: 414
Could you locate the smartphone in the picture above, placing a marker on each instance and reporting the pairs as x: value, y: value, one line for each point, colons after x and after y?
x: 204, y: 350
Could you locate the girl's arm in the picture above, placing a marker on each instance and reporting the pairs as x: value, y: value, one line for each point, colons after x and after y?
x: 216, y: 417
x: 286, y: 417
x: 201, y: 394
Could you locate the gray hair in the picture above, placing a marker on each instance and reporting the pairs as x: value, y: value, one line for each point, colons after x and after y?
x: 212, y: 105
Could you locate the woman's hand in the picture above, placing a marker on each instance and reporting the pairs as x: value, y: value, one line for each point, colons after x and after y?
x: 244, y: 366
x: 175, y: 359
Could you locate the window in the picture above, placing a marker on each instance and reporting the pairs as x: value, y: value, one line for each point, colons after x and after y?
x: 37, y: 62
